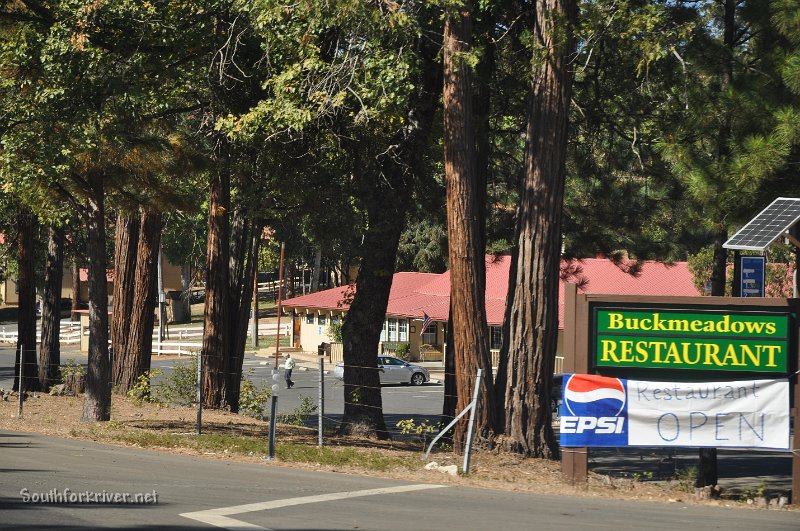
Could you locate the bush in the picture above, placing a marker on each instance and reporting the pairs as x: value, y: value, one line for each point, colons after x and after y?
x: 180, y: 387
x: 335, y: 331
x: 299, y: 416
x: 252, y: 399
x: 142, y: 390
x: 402, y: 351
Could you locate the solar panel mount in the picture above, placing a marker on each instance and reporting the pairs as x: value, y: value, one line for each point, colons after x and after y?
x: 769, y: 225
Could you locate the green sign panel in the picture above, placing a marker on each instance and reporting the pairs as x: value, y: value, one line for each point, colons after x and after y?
x: 707, y: 341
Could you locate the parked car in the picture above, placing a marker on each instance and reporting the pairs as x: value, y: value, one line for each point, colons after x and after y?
x: 392, y: 371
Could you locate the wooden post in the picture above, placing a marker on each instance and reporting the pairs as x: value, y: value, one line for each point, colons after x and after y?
x: 575, y: 461
x: 795, y: 413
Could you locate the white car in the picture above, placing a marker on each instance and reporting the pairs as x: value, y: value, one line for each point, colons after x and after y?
x: 392, y: 371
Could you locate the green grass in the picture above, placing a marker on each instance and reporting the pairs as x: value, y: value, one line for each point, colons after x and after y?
x: 290, y: 452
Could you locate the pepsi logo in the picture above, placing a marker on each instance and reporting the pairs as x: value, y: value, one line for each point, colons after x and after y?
x: 594, y: 396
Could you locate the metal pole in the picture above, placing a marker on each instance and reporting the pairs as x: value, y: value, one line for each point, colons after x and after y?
x: 273, y: 413
x: 275, y: 370
x: 475, y: 397
x: 199, y: 392
x: 161, y: 307
x: 321, y: 404
x: 20, y: 380
x: 255, y: 305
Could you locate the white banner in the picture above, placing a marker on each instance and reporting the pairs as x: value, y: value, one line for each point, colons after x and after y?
x: 743, y: 414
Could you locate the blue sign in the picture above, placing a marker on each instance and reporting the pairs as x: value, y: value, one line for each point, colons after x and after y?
x: 593, y: 411
x: 752, y: 276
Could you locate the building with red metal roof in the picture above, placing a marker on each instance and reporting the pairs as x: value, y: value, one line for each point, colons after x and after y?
x: 414, y: 295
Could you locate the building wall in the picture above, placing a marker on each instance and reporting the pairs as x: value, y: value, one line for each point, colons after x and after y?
x: 314, y: 333
x: 171, y: 276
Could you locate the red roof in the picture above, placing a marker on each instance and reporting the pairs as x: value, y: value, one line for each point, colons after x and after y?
x: 414, y: 294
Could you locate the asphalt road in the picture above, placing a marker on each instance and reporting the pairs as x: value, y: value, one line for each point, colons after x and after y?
x: 399, y: 401
x: 739, y: 470
x: 196, y: 493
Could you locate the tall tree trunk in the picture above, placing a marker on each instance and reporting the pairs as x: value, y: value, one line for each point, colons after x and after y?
x: 29, y: 372
x: 464, y: 229
x: 138, y: 345
x: 317, y: 270
x: 363, y: 406
x: 385, y: 198
x: 50, y: 352
x: 75, y: 270
x: 243, y: 271
x: 97, y: 403
x: 289, y: 288
x: 126, y: 240
x: 532, y: 310
x: 215, y: 342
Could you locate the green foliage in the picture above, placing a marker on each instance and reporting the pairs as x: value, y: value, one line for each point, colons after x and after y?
x: 253, y: 399
x: 335, y: 331
x: 300, y: 415
x: 142, y: 390
x: 779, y: 271
x: 71, y: 369
x: 179, y: 388
x: 687, y: 478
x: 402, y: 351
x: 424, y: 430
x: 751, y: 493
x: 423, y: 247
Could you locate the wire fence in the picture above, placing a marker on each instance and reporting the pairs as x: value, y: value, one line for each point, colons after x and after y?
x: 320, y: 404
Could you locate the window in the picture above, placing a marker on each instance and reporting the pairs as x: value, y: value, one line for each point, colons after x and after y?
x: 321, y: 319
x: 429, y: 336
x: 335, y: 319
x: 392, y: 329
x: 402, y: 330
x: 383, y: 333
x: 309, y: 318
x: 496, y: 337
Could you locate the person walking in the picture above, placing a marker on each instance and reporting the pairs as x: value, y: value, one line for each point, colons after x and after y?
x: 287, y: 371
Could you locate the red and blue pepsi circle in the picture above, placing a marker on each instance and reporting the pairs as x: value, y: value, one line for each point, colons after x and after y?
x: 594, y: 411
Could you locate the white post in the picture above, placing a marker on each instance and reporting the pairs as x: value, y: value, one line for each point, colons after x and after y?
x: 475, y: 397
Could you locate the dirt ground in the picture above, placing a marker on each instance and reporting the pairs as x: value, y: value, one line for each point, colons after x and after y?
x: 59, y: 416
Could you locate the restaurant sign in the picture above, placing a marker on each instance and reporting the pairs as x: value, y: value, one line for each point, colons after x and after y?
x: 691, y: 339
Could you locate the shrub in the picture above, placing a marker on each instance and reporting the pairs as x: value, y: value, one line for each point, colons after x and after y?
x: 252, y: 399
x: 299, y: 416
x: 402, y: 351
x: 142, y: 390
x: 180, y: 387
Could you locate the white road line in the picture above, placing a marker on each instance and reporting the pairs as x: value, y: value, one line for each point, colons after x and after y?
x: 220, y: 517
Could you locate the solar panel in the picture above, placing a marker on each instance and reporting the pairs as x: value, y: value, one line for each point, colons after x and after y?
x: 766, y: 227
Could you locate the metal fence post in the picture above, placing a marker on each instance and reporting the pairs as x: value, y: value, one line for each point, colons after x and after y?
x: 475, y: 397
x: 273, y: 412
x: 199, y: 391
x: 321, y: 403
